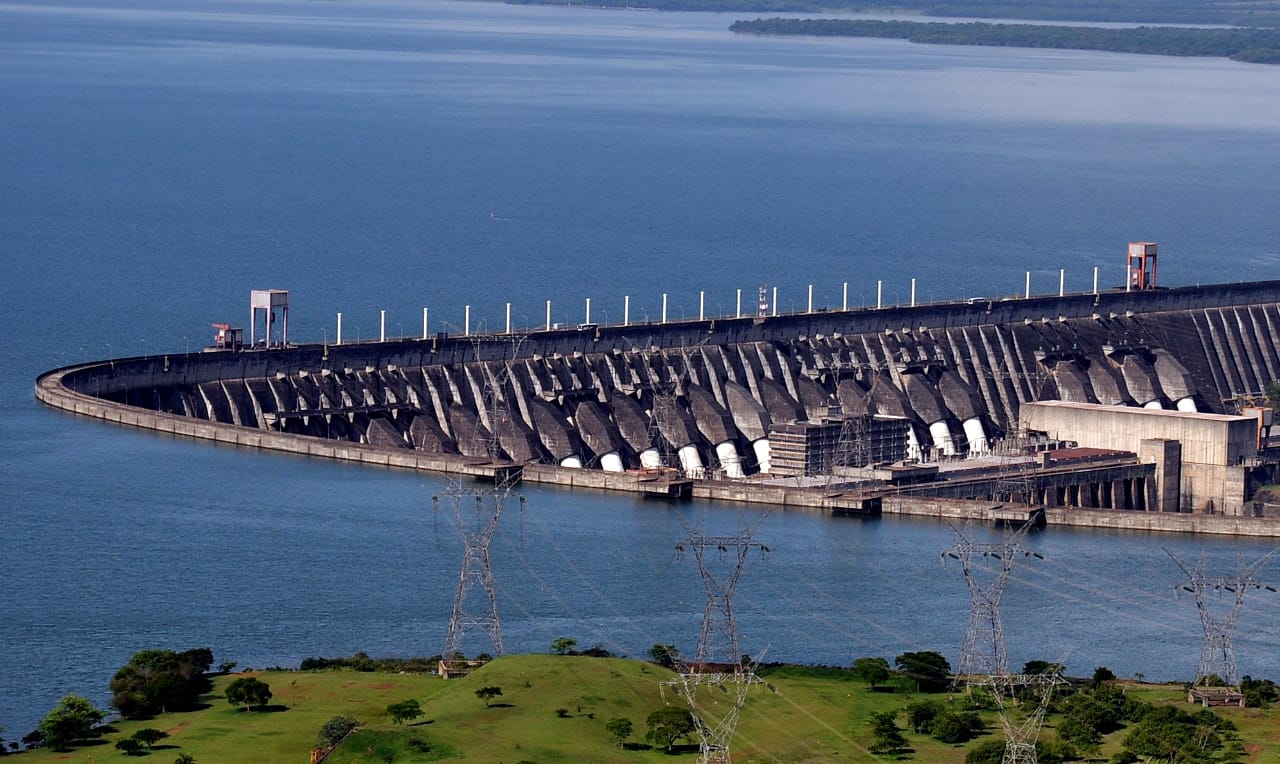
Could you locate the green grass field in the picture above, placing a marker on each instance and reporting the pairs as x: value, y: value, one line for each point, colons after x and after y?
x: 554, y: 709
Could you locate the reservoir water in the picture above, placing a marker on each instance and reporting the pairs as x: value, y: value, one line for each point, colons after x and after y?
x: 157, y: 163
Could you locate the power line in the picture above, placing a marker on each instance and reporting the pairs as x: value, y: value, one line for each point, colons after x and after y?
x: 718, y: 661
x: 1020, y: 736
x: 475, y: 602
x: 983, y: 651
x: 1218, y: 656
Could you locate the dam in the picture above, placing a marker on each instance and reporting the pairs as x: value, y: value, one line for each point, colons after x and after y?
x: 889, y: 404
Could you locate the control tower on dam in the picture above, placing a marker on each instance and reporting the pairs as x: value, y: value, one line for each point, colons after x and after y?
x: 943, y: 381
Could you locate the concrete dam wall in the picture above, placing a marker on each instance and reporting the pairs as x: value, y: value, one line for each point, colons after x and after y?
x: 703, y: 395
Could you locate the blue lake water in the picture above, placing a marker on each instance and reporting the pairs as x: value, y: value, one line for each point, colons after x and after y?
x: 158, y: 163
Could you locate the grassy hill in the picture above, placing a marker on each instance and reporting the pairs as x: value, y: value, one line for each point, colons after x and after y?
x: 554, y: 709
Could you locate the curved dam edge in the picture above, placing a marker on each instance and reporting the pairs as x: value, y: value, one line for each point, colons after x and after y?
x: 50, y: 390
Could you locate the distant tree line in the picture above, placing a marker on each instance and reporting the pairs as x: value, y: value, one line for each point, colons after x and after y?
x: 1247, y: 13
x: 1254, y: 45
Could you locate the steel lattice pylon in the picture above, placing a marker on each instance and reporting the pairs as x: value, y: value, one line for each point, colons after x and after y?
x: 718, y: 639
x: 715, y: 714
x: 718, y: 661
x: 1218, y: 656
x: 475, y: 603
x: 982, y: 653
x: 1020, y: 736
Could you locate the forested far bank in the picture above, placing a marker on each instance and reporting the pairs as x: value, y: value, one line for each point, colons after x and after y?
x: 1258, y: 13
x: 1250, y: 45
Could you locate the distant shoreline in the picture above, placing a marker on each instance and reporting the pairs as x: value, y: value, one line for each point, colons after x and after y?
x: 1259, y: 46
x: 1259, y: 14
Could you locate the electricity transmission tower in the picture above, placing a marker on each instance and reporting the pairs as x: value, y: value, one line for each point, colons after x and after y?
x: 718, y: 661
x: 1020, y: 735
x: 1014, y: 482
x: 1218, y: 656
x: 476, y: 512
x: 986, y: 569
x: 494, y: 410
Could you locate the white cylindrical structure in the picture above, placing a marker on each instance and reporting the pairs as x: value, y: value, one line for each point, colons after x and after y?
x: 844, y: 298
x: 382, y: 326
x: 879, y: 294
x: 1062, y: 282
x: 942, y: 438
x: 1027, y: 295
x: 738, y: 312
x: 664, y: 307
x: 466, y: 322
x: 424, y: 323
x: 729, y: 459
x: 761, y: 447
x: 508, y: 318
x: 612, y: 462
x: 572, y: 462
x: 650, y: 459
x: 810, y: 309
x: 913, y: 293
x: 913, y: 444
x: 588, y: 310
x: 976, y: 435
x: 548, y: 315
x: 775, y: 301
x: 626, y: 310
x: 690, y: 460
x: 1095, y: 279
x: 702, y: 305
x: 424, y: 334
x: 1187, y: 404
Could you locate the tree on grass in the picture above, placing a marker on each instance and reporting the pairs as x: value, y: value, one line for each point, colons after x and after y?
x: 986, y: 752
x: 155, y: 681
x: 74, y: 718
x: 667, y: 725
x: 130, y: 747
x: 405, y: 710
x: 957, y: 727
x: 889, y: 738
x: 666, y: 656
x: 149, y: 736
x: 335, y: 730
x: 871, y: 670
x: 922, y: 713
x: 487, y: 694
x: 249, y: 692
x: 185, y: 758
x: 620, y: 728
x: 929, y: 669
x: 564, y: 645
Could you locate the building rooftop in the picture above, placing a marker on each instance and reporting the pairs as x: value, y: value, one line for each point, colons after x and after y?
x: 1137, y: 411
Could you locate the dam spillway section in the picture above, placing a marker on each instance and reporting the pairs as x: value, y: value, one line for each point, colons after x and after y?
x: 750, y: 402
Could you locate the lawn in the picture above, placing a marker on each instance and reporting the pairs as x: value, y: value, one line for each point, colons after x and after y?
x: 555, y: 709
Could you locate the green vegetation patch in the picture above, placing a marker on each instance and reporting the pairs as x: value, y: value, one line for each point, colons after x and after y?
x: 1255, y: 45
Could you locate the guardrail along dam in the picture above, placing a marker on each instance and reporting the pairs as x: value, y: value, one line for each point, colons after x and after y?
x: 750, y: 405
